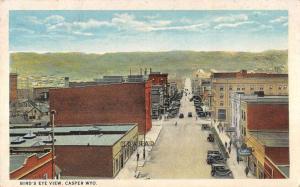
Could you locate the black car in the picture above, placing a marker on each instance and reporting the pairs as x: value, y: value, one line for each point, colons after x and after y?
x: 190, y: 114
x: 220, y: 170
x: 215, y: 159
x: 181, y: 115
x: 209, y: 152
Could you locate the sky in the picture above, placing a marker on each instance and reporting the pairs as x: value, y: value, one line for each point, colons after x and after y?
x: 143, y: 30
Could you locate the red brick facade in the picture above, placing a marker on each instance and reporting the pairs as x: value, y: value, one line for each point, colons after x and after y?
x: 271, y: 171
x: 114, y: 103
x: 89, y: 161
x: 267, y: 116
x: 158, y: 79
x: 278, y: 155
x: 13, y: 82
x: 34, y: 168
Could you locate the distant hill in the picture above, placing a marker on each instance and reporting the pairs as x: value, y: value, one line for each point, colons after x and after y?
x: 179, y: 63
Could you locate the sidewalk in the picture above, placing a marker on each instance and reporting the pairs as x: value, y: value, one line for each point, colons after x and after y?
x: 238, y: 169
x: 132, y: 166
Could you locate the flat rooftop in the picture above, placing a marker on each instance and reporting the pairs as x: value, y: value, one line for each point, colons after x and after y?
x: 17, y: 160
x: 92, y: 140
x: 73, y: 128
x: 272, y: 139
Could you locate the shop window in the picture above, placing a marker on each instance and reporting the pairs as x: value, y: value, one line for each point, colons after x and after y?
x: 222, y: 114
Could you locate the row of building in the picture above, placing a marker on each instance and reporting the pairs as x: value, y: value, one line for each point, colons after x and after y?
x: 254, y: 109
x: 98, y: 125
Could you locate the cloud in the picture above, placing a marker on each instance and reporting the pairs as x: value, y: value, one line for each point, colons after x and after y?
x: 83, y: 33
x: 54, y: 19
x: 262, y: 27
x: 285, y: 24
x: 231, y: 18
x: 33, y: 20
x: 281, y: 19
x: 232, y: 25
x: 91, y: 23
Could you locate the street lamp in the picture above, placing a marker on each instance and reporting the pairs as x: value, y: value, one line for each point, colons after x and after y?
x: 53, y: 112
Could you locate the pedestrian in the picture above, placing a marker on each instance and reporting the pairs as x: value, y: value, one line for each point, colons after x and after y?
x: 229, y: 149
x: 246, y: 171
x: 238, y: 159
x: 230, y: 142
x: 176, y: 123
x: 222, y: 129
x: 226, y: 145
x: 137, y: 156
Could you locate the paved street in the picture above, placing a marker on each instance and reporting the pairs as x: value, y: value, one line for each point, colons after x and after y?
x: 180, y: 151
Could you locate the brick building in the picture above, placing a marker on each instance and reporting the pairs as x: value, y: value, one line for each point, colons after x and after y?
x: 31, y: 166
x: 112, y: 103
x: 225, y: 83
x: 91, y: 151
x: 13, y: 82
x: 265, y: 127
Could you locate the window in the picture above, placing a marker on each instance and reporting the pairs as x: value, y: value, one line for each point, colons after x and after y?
x: 117, y: 165
x: 221, y: 103
x: 243, y: 88
x: 221, y: 88
x: 238, y: 89
x: 244, y: 116
x: 221, y: 96
x: 244, y: 131
x: 285, y: 87
x: 222, y: 114
x: 230, y: 88
x: 261, y: 88
x: 279, y: 88
x: 271, y: 87
x: 251, y: 88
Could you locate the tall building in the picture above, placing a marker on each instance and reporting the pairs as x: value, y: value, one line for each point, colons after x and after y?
x: 110, y: 103
x: 265, y: 131
x: 225, y: 83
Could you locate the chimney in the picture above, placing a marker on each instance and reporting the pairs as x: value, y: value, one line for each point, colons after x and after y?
x: 67, y: 82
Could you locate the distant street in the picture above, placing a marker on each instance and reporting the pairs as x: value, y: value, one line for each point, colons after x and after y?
x: 180, y: 151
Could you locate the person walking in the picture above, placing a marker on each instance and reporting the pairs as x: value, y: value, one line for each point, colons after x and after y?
x: 230, y: 142
x: 238, y: 159
x: 246, y: 171
x: 226, y: 145
x: 176, y: 123
x: 229, y: 149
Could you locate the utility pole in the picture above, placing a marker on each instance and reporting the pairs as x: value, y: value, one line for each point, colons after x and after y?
x: 53, y: 112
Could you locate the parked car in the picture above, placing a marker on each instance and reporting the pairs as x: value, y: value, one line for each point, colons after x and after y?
x: 215, y: 159
x: 205, y: 127
x: 190, y: 114
x: 213, y: 152
x: 181, y: 115
x: 220, y: 170
x: 210, y: 138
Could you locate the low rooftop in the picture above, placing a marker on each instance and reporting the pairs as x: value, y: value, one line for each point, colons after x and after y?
x: 272, y: 139
x: 17, y: 160
x: 120, y: 128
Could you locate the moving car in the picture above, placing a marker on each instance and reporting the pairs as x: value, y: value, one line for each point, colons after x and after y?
x: 220, y: 170
x: 181, y: 115
x: 190, y: 114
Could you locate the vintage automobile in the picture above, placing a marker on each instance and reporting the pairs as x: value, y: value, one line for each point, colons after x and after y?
x: 205, y: 127
x: 213, y: 152
x: 220, y: 170
x: 181, y: 115
x: 210, y: 138
x: 215, y: 159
